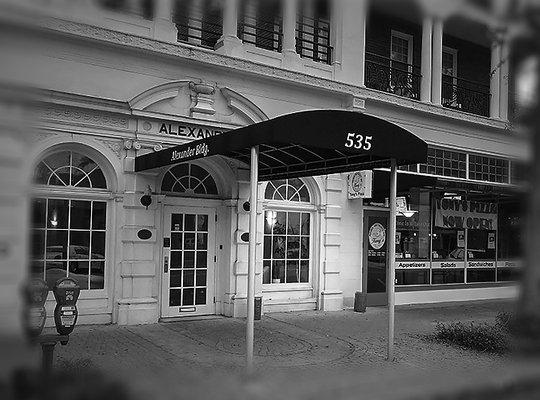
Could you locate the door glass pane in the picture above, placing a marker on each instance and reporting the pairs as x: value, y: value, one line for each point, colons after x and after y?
x: 189, y: 278
x: 200, y: 296
x: 175, y: 278
x: 201, y: 278
x: 188, y: 297
x: 202, y: 223
x: 190, y: 222
x: 176, y: 240
x: 174, y: 297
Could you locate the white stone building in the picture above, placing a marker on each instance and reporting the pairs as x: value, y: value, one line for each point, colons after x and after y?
x: 106, y: 81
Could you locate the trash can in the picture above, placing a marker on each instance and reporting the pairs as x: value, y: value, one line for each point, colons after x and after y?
x: 360, y: 302
x: 258, y: 308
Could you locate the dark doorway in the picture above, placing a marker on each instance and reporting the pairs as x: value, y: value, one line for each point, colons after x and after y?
x: 375, y: 257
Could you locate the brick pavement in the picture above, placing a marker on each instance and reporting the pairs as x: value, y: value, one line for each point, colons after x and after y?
x: 307, y: 355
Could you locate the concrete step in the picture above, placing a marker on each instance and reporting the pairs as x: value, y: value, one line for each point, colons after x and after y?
x: 286, y: 305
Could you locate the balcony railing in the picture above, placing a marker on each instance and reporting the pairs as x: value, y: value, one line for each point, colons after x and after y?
x: 261, y: 26
x: 313, y: 39
x: 198, y: 23
x: 392, y: 76
x: 464, y: 95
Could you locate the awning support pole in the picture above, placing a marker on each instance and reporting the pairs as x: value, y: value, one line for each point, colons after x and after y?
x: 250, y: 321
x: 391, y: 259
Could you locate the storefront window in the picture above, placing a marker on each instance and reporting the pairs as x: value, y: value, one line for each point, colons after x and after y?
x: 68, y: 236
x: 412, y: 239
x: 448, y: 244
x: 287, y: 234
x: 509, y: 244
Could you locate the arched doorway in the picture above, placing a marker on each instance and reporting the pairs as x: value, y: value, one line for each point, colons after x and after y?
x: 189, y: 231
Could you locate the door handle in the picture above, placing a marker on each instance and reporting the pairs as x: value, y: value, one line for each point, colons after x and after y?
x: 166, y: 264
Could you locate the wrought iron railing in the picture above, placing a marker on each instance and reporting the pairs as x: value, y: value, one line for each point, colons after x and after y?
x: 387, y: 75
x: 141, y: 8
x: 199, y: 23
x: 464, y: 95
x: 260, y: 24
x: 313, y: 39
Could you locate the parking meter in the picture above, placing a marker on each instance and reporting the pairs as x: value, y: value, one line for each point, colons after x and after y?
x: 66, y: 292
x: 34, y: 314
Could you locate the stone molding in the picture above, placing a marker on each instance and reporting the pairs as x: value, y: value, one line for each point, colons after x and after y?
x: 83, y: 116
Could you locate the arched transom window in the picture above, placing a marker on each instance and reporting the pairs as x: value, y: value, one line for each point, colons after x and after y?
x: 68, y: 230
x: 68, y: 168
x: 287, y: 190
x: 287, y: 233
x: 189, y: 179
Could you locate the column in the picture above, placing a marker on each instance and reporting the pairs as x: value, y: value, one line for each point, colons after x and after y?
x: 349, y: 20
x: 362, y: 41
x: 427, y: 45
x: 229, y: 40
x: 164, y: 27
x: 503, y: 82
x: 290, y: 56
x: 436, y: 74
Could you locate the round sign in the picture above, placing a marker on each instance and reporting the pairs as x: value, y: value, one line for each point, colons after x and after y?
x: 377, y: 236
x: 357, y: 182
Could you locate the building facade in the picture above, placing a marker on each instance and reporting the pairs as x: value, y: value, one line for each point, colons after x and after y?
x: 110, y: 80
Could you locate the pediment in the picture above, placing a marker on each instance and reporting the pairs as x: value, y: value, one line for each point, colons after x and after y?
x: 198, y: 100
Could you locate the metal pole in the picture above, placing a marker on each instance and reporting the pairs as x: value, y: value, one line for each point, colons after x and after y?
x: 251, y: 258
x: 391, y: 259
x: 47, y: 357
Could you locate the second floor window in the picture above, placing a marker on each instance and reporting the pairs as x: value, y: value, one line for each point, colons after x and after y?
x: 199, y: 22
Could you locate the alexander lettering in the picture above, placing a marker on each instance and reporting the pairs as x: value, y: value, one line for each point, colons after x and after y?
x: 188, y: 131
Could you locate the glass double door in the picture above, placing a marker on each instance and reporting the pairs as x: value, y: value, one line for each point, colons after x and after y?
x: 188, y: 262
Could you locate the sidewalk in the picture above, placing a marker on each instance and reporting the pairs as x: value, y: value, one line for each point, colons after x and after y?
x: 307, y: 355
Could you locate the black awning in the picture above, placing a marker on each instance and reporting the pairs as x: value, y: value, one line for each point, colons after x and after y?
x: 307, y: 143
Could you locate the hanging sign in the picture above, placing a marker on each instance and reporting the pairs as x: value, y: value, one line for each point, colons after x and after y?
x: 461, y: 214
x: 360, y: 185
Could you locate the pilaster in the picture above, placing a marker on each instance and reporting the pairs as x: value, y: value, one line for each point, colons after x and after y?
x: 331, y: 294
x: 426, y: 63
x: 494, y: 82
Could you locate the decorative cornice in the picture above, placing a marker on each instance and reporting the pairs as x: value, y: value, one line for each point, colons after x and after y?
x: 83, y: 116
x: 195, y: 54
x: 211, y: 57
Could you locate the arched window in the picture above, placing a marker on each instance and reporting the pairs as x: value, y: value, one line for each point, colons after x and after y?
x: 68, y: 231
x: 287, y: 233
x: 287, y: 190
x: 189, y: 179
x: 68, y: 168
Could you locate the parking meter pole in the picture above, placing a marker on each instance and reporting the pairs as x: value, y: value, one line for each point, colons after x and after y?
x: 47, y: 357
x: 48, y: 342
